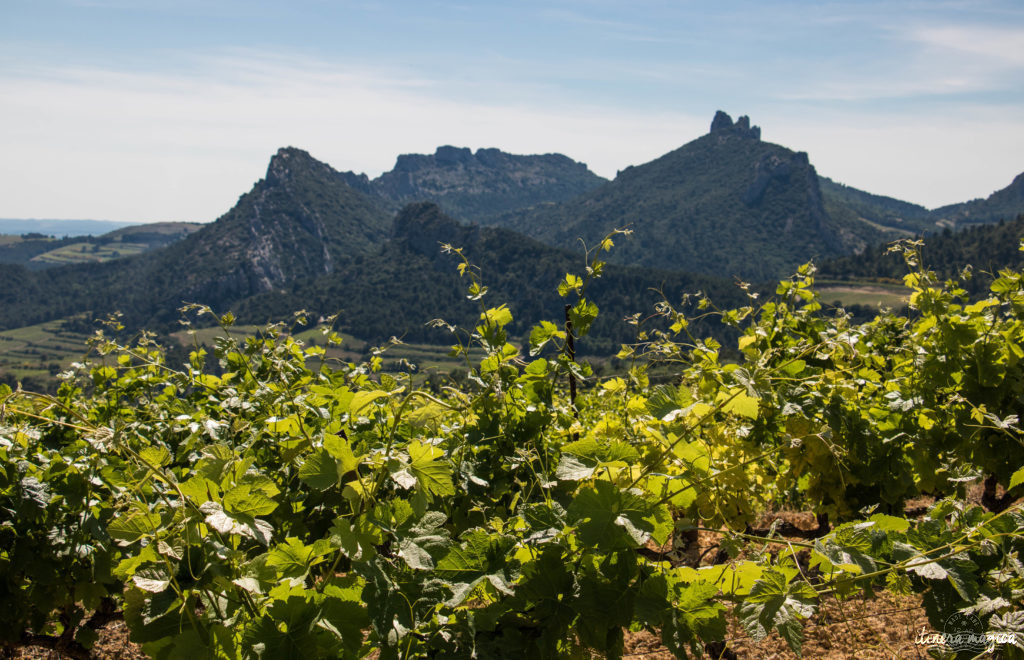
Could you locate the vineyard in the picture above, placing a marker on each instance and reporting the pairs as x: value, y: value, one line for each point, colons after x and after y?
x: 262, y: 502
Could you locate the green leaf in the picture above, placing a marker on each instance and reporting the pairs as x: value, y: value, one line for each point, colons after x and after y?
x: 543, y: 333
x: 582, y: 315
x: 735, y: 579
x: 154, y: 616
x: 221, y: 522
x: 570, y: 283
x: 744, y: 405
x: 609, y: 518
x: 199, y: 489
x: 343, y: 610
x: 433, y: 475
x: 244, y: 500
x: 35, y: 491
x: 890, y: 523
x: 357, y: 540
x: 153, y: 578
x: 288, y: 630
x: 364, y: 398
x: 498, y: 316
x: 128, y: 529
x: 695, y: 619
x: 340, y: 449
x: 571, y: 468
x: 424, y: 415
x: 1017, y: 478
x: 156, y: 456
x: 320, y: 471
x: 415, y: 556
x: 775, y: 605
x: 481, y: 555
x: 292, y: 559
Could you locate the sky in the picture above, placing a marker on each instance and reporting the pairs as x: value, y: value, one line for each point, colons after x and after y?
x: 148, y: 110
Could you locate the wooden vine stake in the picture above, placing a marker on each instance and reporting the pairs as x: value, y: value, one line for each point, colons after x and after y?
x: 570, y: 352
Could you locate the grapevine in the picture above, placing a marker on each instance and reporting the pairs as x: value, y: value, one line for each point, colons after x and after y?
x: 263, y: 502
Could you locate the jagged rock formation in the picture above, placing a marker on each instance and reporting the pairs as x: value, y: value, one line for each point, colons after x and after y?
x: 722, y: 126
x: 297, y: 222
x: 478, y: 186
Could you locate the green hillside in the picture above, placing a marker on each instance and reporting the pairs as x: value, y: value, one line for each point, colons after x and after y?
x: 727, y: 204
x: 303, y: 238
x: 411, y: 281
x: 1003, y: 204
x: 986, y: 248
x: 889, y: 215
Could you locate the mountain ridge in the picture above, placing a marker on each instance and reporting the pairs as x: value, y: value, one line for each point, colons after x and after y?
x: 304, y: 223
x: 678, y: 205
x: 477, y: 186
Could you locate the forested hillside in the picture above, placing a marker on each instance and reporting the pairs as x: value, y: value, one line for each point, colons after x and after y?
x: 726, y: 204
x: 300, y: 221
x: 1003, y: 204
x: 411, y: 280
x: 892, y: 216
x: 987, y: 249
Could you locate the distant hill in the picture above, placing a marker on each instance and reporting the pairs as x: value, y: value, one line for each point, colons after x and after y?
x: 895, y: 217
x: 1003, y: 204
x: 58, y: 228
x: 477, y: 187
x: 303, y: 237
x: 987, y: 248
x: 888, y: 215
x: 726, y: 204
x: 37, y: 251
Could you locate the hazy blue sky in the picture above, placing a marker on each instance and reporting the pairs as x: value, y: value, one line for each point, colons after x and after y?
x: 169, y: 109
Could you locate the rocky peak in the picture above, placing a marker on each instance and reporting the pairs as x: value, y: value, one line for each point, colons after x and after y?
x: 722, y: 124
x: 448, y: 156
x: 287, y: 161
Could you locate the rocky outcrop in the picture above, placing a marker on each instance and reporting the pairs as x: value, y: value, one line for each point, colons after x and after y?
x: 723, y: 126
x: 478, y: 186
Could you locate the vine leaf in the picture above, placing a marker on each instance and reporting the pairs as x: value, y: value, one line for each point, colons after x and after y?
x: 609, y: 518
x: 774, y: 604
x: 433, y: 475
x: 481, y: 556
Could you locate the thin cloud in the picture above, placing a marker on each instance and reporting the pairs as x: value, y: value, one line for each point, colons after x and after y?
x: 1003, y: 47
x: 927, y: 63
x: 614, y: 29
